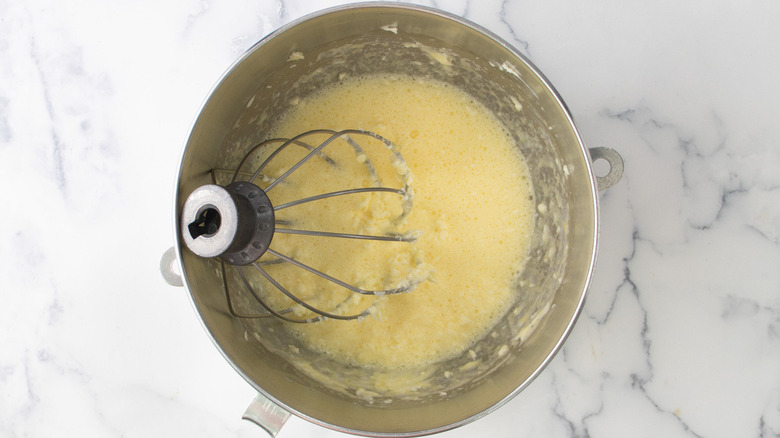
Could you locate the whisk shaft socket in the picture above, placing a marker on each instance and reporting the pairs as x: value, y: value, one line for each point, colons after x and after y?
x: 235, y: 223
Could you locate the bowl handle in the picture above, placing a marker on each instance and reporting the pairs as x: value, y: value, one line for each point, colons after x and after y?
x: 615, y: 166
x: 266, y: 414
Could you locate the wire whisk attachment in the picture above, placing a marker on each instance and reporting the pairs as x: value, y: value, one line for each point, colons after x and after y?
x: 277, y: 247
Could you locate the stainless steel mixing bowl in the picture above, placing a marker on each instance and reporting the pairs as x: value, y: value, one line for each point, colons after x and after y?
x: 401, y: 39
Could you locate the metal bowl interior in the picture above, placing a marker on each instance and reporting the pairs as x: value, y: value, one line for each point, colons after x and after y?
x: 389, y: 38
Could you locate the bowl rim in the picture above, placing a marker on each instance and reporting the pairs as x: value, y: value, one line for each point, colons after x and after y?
x: 459, y: 20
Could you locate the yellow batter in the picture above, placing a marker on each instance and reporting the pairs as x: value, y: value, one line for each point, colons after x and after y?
x: 472, y: 210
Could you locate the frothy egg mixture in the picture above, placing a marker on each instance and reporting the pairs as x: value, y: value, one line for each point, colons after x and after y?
x: 472, y: 215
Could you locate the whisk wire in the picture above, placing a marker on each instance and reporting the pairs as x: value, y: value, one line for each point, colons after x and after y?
x: 322, y: 314
x: 339, y: 193
x: 303, y: 160
x: 385, y: 238
x: 285, y: 142
x: 339, y: 282
x: 278, y: 314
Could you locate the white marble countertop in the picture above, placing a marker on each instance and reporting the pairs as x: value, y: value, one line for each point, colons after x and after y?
x: 680, y: 335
